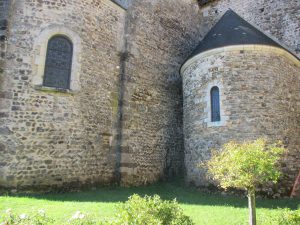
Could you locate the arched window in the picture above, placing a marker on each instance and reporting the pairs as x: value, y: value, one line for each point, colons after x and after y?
x: 215, y: 104
x: 58, y: 62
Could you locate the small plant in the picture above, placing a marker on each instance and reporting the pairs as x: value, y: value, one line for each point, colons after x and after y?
x: 150, y: 211
x: 245, y: 166
x: 38, y: 218
x: 285, y: 217
x: 289, y: 217
x: 80, y: 218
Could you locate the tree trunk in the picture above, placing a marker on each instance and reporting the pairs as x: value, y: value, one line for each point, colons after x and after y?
x: 252, y: 207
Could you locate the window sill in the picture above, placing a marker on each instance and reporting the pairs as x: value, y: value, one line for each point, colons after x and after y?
x: 54, y: 90
x: 216, y: 124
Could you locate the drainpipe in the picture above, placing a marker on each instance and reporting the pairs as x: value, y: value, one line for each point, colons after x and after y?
x: 119, y: 124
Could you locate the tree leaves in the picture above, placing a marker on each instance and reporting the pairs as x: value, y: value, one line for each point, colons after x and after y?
x: 246, y: 165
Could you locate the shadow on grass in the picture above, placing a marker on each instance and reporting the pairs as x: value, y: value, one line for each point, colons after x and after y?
x: 167, y: 191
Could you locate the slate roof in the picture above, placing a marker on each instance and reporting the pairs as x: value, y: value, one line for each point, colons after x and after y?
x: 231, y: 29
x: 122, y: 3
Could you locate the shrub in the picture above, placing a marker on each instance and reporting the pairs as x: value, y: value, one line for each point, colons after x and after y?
x: 82, y: 219
x: 38, y: 218
x: 289, y: 217
x: 151, y: 211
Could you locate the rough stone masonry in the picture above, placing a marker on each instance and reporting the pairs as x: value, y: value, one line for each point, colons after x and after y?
x: 121, y: 121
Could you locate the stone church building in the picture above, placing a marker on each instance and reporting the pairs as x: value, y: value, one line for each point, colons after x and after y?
x: 129, y: 92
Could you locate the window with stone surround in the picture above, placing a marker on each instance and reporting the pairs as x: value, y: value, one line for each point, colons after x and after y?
x: 57, y: 59
x: 58, y: 62
x: 215, y: 108
x: 215, y: 104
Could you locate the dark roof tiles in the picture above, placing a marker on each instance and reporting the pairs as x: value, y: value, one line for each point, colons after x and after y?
x: 231, y: 29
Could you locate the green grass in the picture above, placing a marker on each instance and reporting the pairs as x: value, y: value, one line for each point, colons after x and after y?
x: 202, y: 208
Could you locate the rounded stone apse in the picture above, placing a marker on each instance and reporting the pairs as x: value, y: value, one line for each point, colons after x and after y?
x: 241, y: 93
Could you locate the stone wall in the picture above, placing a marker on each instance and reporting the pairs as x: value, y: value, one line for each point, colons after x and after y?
x: 56, y: 138
x: 123, y: 121
x: 4, y: 15
x: 277, y: 18
x: 4, y: 95
x: 161, y: 34
x: 259, y: 96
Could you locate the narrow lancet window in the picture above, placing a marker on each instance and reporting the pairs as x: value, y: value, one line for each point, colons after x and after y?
x: 58, y: 62
x: 215, y: 104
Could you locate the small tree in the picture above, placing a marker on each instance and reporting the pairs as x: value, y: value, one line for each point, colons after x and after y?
x: 245, y: 166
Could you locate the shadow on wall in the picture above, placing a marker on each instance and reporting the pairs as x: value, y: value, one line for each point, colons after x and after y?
x: 168, y: 191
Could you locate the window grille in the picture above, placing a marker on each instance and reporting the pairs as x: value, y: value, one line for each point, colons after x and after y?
x: 58, y: 63
x: 215, y: 104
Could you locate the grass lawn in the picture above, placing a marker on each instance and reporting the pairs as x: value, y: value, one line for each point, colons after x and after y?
x: 202, y: 208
